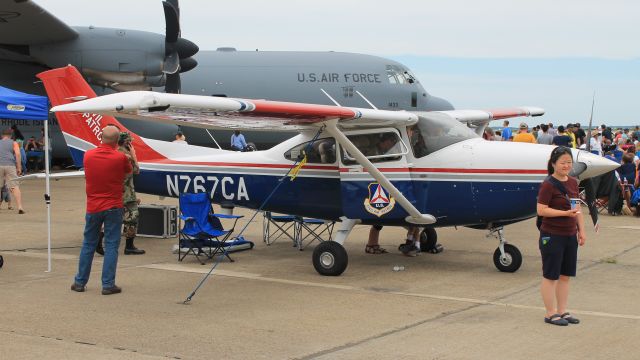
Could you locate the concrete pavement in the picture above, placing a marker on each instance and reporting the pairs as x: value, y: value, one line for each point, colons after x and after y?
x: 271, y: 303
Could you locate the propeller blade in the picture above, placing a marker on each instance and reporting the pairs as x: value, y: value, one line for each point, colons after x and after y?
x: 172, y: 84
x: 187, y: 64
x: 186, y: 48
x: 172, y: 21
x: 593, y: 101
x: 590, y: 195
x: 171, y: 63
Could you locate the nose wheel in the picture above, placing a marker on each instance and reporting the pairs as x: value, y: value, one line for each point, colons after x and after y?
x: 330, y: 258
x: 506, y: 258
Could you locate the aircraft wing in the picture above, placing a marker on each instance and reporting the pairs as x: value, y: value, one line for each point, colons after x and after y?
x: 479, y: 119
x: 230, y: 113
x: 17, y: 19
x: 54, y: 176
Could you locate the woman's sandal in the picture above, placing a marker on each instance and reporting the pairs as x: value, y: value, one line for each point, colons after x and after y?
x: 374, y: 249
x: 556, y: 319
x: 570, y: 319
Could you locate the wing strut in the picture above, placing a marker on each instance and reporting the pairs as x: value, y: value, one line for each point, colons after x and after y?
x: 415, y: 217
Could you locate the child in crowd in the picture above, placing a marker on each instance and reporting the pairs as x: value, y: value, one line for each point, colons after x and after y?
x: 5, y: 196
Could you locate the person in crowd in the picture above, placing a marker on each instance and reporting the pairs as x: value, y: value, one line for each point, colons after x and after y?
x: 571, y: 133
x: 595, y: 142
x: 498, y: 135
x: 524, y: 135
x: 130, y: 199
x: 627, y: 173
x: 409, y: 248
x: 238, y: 143
x: 562, y: 139
x: 606, y: 132
x: 16, y: 134
x: 105, y: 170
x: 11, y: 166
x: 545, y: 138
x: 561, y: 231
x: 580, y: 135
x: 180, y: 138
x: 34, y: 153
x: 5, y: 196
x: 506, y: 131
x: 534, y: 132
x: 32, y: 144
x: 373, y: 245
x: 552, y: 130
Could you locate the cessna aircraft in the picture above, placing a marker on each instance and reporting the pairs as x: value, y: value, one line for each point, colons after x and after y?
x: 364, y: 166
x: 33, y: 40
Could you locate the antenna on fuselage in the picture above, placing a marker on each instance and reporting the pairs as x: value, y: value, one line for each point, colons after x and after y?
x: 330, y: 98
x: 367, y: 100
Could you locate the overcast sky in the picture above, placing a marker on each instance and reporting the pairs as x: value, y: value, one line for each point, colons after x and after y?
x: 549, y: 53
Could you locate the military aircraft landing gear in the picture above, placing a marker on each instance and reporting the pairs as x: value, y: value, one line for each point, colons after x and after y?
x: 507, y: 258
x: 330, y: 258
x: 429, y: 241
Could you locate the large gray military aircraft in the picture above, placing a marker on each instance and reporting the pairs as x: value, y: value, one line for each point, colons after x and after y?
x: 33, y: 40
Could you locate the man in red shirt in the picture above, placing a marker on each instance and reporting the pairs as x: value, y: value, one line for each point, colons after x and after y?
x: 105, y: 169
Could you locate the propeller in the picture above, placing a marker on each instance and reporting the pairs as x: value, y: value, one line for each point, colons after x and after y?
x: 178, y: 51
x: 589, y: 188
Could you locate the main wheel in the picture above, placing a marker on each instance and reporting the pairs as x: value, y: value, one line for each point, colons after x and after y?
x: 511, y: 262
x: 330, y: 258
x: 428, y: 239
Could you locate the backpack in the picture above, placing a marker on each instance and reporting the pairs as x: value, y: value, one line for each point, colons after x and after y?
x: 558, y: 185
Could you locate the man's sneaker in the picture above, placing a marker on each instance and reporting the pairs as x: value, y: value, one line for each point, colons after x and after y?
x: 78, y: 287
x: 112, y: 290
x: 408, y: 249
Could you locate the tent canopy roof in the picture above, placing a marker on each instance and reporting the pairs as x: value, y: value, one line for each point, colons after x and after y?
x: 21, y: 106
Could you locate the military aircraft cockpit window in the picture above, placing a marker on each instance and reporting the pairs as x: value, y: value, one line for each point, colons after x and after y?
x: 399, y: 75
x: 322, y: 151
x: 436, y: 132
x: 377, y: 147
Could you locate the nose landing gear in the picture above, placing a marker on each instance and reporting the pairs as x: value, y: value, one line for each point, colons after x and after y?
x: 506, y: 258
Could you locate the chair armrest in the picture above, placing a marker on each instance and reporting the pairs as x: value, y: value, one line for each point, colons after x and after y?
x: 224, y: 216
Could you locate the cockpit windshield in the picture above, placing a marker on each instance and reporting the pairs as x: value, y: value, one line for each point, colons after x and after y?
x: 399, y: 75
x: 436, y: 131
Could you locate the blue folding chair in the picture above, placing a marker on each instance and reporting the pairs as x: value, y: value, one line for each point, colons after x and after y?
x: 203, y: 233
x: 284, y: 226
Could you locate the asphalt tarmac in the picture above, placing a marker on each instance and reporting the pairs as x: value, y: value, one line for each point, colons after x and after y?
x: 272, y: 304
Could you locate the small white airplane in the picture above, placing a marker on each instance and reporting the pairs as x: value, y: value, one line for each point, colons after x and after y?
x: 361, y: 166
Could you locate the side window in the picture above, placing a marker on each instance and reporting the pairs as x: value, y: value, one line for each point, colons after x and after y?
x: 322, y: 151
x: 416, y: 141
x: 377, y: 147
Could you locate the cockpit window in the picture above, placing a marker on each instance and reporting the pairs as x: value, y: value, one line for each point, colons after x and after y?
x: 377, y: 147
x: 434, y: 132
x: 399, y: 75
x: 322, y: 151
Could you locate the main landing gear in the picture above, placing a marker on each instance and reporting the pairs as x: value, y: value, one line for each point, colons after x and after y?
x: 507, y: 258
x: 429, y: 241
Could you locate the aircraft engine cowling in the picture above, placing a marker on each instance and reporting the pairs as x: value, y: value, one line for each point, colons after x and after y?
x: 118, y: 59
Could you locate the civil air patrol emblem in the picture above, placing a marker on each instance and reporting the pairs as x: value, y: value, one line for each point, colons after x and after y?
x: 379, y: 201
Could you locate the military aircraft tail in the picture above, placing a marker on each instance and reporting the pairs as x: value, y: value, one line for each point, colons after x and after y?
x: 82, y: 131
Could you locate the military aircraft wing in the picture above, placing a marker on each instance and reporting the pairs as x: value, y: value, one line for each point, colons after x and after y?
x: 230, y: 113
x: 479, y: 119
x: 17, y: 19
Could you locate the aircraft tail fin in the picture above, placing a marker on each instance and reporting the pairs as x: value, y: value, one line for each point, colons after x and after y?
x: 82, y: 131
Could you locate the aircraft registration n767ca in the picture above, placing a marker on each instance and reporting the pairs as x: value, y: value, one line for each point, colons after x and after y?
x: 362, y: 166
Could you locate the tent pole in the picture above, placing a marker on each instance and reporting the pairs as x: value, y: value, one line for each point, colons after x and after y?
x: 47, y: 198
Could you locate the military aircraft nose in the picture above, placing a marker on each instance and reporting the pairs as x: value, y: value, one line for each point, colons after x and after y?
x: 588, y: 165
x: 435, y: 103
